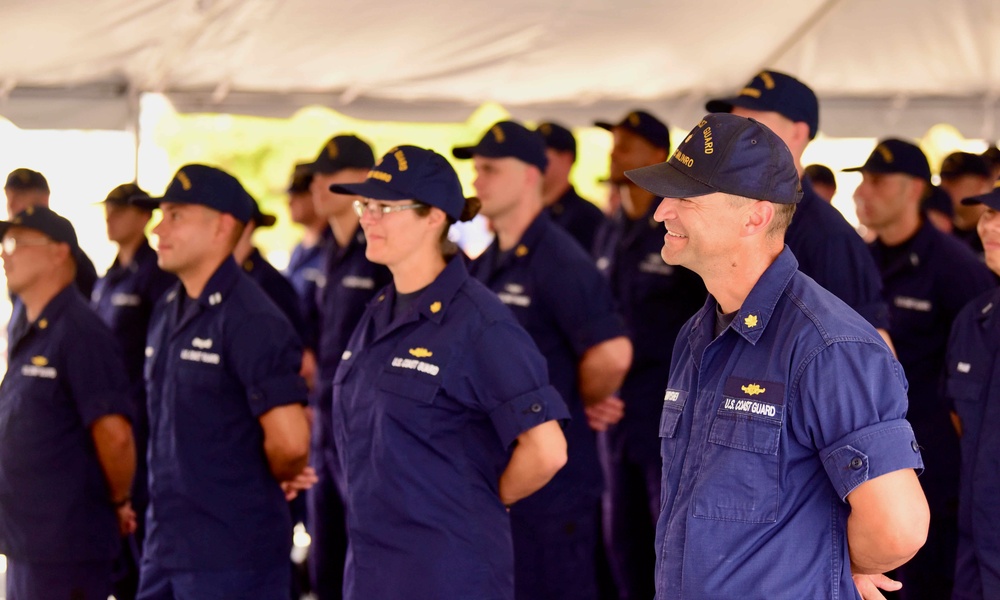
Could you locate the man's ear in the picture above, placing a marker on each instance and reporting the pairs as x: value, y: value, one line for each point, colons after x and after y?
x: 758, y: 217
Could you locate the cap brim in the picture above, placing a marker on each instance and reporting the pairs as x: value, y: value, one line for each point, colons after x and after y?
x: 991, y: 199
x: 666, y: 181
x: 149, y: 203
x: 265, y: 220
x: 373, y: 189
x: 604, y: 125
x: 463, y: 152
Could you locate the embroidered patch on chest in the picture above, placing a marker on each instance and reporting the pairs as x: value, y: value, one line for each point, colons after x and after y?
x: 753, y: 397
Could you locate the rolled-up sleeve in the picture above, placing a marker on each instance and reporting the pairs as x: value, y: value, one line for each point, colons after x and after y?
x: 869, y: 453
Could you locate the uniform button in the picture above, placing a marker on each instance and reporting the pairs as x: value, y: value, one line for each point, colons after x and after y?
x: 536, y: 408
x: 857, y: 463
x: 915, y: 446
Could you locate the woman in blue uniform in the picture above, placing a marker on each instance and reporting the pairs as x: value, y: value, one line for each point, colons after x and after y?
x: 442, y: 409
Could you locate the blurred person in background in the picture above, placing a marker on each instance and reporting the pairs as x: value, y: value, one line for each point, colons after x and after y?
x: 550, y: 283
x: 124, y: 298
x: 655, y: 299
x: 972, y: 387
x: 964, y: 175
x: 25, y: 188
x: 348, y: 282
x: 67, y: 456
x: 305, y: 266
x: 823, y: 181
x: 927, y: 277
x: 580, y: 217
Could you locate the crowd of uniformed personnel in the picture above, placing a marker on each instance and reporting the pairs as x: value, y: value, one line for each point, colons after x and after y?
x: 164, y: 425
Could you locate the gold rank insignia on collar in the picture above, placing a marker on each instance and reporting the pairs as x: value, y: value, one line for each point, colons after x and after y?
x: 435, y: 307
x: 248, y: 265
x: 750, y: 321
x: 521, y: 250
x: 43, y: 323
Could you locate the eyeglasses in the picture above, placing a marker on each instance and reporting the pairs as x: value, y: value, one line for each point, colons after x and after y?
x: 377, y: 211
x: 11, y: 244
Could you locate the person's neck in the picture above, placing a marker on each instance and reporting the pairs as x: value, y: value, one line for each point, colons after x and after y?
x: 635, y: 200
x: 242, y: 251
x: 127, y: 250
x: 344, y: 226
x: 418, y: 271
x: 549, y: 197
x: 731, y: 282
x: 511, y: 226
x: 39, y: 295
x: 196, y: 278
x: 900, y: 231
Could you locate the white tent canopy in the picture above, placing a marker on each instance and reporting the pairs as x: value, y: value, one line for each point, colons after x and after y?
x: 880, y: 67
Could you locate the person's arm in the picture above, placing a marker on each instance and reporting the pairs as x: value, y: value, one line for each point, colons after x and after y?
x: 538, y: 456
x: 603, y: 368
x: 112, y: 435
x: 887, y: 526
x: 286, y: 440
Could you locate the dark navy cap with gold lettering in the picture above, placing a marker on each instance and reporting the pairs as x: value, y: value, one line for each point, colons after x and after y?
x: 958, y: 164
x: 343, y: 152
x: 206, y: 186
x: 301, y: 180
x: 557, y: 137
x: 729, y: 154
x: 411, y: 173
x: 644, y: 125
x: 773, y: 91
x: 122, y: 194
x: 896, y: 156
x: 508, y: 139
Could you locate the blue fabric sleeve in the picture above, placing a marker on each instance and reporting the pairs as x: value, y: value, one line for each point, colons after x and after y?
x: 96, y: 375
x: 869, y: 453
x: 583, y: 305
x: 266, y: 357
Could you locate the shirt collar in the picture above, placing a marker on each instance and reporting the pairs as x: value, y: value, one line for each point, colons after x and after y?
x: 55, y: 307
x: 434, y: 302
x: 753, y: 317
x: 220, y: 283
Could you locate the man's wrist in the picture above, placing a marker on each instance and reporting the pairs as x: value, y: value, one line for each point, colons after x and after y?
x: 122, y: 502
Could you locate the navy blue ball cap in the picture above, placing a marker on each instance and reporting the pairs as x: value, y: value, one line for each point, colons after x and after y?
x: 411, y: 173
x: 508, y: 139
x: 938, y: 200
x: 773, y: 91
x: 206, y: 186
x: 557, y: 137
x: 260, y: 218
x: 991, y: 198
x: 48, y: 222
x: 958, y: 164
x: 644, y: 125
x: 343, y: 152
x: 729, y: 154
x: 122, y: 194
x: 896, y: 156
x: 25, y: 179
x: 301, y: 180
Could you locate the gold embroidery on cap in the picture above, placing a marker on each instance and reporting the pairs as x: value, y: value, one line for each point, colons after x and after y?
x: 707, y: 133
x: 386, y: 177
x: 545, y: 129
x: 749, y: 91
x: 183, y: 178
x: 688, y: 138
x: 684, y: 159
x: 400, y: 159
x: 497, y: 133
x: 331, y: 150
x: 633, y: 119
x: 885, y: 152
x: 767, y: 79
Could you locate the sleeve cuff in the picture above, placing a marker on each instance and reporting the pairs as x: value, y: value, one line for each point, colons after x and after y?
x: 279, y: 391
x: 520, y: 414
x: 599, y: 331
x: 102, y: 404
x: 869, y: 453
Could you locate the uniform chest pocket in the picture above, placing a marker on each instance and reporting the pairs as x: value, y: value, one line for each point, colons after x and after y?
x: 407, y: 400
x: 968, y: 399
x: 738, y: 480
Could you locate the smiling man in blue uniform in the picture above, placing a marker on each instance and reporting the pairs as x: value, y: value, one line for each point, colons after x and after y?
x: 788, y: 465
x: 124, y: 298
x: 927, y: 277
x: 442, y: 409
x: 972, y: 387
x: 227, y: 426
x: 544, y: 276
x: 67, y: 456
